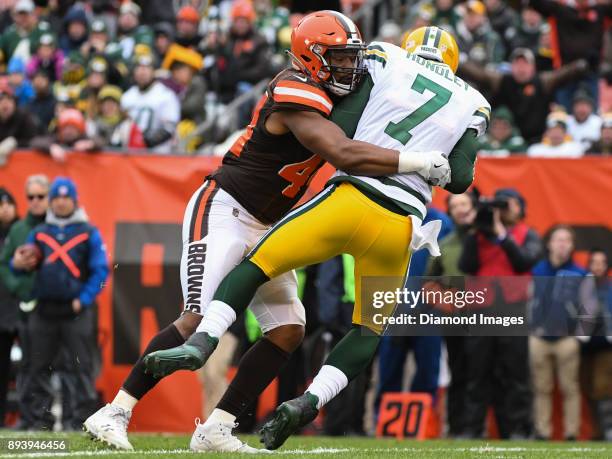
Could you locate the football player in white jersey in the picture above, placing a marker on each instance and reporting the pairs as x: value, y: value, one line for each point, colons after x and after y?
x: 413, y: 100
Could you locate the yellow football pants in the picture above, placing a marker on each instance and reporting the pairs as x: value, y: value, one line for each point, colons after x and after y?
x: 340, y: 220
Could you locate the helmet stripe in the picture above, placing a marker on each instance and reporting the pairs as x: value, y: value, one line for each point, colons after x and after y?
x: 347, y: 24
x: 426, y: 36
x: 438, y: 37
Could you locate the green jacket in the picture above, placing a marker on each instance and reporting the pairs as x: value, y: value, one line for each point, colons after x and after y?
x: 11, y: 38
x: 19, y: 285
x: 513, y: 144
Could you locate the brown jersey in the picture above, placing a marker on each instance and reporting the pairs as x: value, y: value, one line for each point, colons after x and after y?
x: 268, y: 174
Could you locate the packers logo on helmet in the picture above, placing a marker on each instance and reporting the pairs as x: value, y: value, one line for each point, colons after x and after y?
x: 433, y: 43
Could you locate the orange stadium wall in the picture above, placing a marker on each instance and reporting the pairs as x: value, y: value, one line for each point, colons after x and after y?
x: 138, y: 202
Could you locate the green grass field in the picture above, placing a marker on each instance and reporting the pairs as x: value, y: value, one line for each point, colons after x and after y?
x: 168, y: 446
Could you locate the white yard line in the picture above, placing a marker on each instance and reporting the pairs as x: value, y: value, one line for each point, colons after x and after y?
x: 316, y: 451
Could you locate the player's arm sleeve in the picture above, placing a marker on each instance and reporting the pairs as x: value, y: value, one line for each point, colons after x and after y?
x: 376, y: 57
x: 462, y: 160
x: 98, y: 269
x: 347, y: 113
x: 294, y: 95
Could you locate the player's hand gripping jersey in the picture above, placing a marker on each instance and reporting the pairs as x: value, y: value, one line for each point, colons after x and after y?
x: 408, y: 102
x: 267, y: 173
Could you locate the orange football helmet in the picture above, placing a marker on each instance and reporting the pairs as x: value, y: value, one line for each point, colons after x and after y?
x: 323, y: 39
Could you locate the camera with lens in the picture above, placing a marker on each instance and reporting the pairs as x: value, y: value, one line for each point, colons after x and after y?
x: 484, y: 214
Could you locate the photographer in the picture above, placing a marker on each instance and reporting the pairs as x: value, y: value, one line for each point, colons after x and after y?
x: 499, y: 244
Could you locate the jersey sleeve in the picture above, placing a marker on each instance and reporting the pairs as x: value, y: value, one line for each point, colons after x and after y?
x: 479, y: 120
x: 379, y: 55
x: 296, y: 92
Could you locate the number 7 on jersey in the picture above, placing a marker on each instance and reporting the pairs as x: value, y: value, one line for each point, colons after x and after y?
x: 400, y: 131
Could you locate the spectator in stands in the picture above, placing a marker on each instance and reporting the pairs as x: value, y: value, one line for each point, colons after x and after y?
x: 21, y: 286
x: 47, y: 58
x: 556, y: 142
x: 390, y: 32
x: 525, y: 92
x: 164, y: 36
x: 9, y: 309
x: 190, y: 88
x: 503, y: 137
x: 18, y: 38
x: 272, y: 22
x: 129, y: 31
x: 525, y: 33
x: 502, y: 17
x: 243, y: 57
x: 552, y: 350
x: 97, y: 41
x: 579, y: 28
x: 16, y: 125
x: 22, y: 88
x: 75, y: 30
x: 111, y: 125
x: 502, y: 245
x: 42, y: 107
x: 477, y: 41
x: 70, y: 135
x: 187, y: 23
x: 153, y: 106
x: 446, y: 15
x: 65, y: 287
x: 462, y: 210
x: 596, y: 355
x: 97, y: 77
x: 604, y: 145
x: 584, y: 125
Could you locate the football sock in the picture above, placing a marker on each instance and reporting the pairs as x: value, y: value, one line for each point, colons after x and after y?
x: 124, y: 400
x: 257, y: 368
x: 239, y: 286
x: 354, y: 352
x: 328, y: 383
x: 219, y: 415
x: 217, y: 318
x: 138, y: 383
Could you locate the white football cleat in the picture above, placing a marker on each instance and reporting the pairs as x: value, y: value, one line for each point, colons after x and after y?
x: 109, y: 425
x: 218, y: 437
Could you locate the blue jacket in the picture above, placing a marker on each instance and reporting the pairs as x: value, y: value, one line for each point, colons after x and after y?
x: 556, y: 298
x: 75, y: 263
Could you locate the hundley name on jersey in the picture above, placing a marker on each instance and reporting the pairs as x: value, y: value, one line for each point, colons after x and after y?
x: 441, y: 69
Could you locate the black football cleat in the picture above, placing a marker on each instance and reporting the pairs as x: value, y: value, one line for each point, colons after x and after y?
x: 189, y: 356
x: 288, y: 418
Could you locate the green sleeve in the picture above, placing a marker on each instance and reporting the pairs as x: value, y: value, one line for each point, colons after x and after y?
x: 347, y: 112
x: 462, y: 160
x: 6, y: 275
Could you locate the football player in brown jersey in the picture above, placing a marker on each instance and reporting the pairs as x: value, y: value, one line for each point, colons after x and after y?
x: 263, y: 176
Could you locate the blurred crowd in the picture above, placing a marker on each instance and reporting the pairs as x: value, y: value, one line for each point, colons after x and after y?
x: 93, y: 75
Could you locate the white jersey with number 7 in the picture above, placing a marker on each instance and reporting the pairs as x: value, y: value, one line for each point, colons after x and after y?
x: 417, y: 105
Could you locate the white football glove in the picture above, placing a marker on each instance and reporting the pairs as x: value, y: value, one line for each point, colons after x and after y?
x: 433, y: 166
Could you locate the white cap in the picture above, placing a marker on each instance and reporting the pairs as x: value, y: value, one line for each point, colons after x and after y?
x: 24, y: 6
